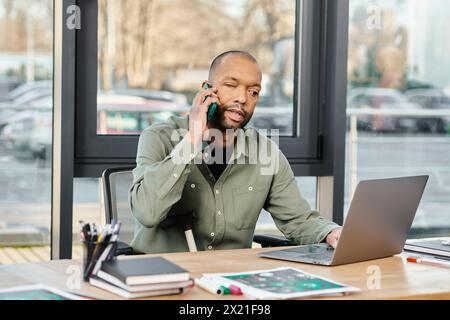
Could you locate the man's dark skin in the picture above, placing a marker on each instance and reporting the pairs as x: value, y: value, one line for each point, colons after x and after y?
x: 236, y: 85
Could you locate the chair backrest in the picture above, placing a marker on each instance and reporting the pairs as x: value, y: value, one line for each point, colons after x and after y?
x: 116, y: 184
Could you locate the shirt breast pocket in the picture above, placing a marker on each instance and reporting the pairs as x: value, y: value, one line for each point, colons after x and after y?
x: 248, y: 202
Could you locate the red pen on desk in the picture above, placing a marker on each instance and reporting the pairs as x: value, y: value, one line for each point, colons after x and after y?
x: 431, y: 262
x: 235, y: 290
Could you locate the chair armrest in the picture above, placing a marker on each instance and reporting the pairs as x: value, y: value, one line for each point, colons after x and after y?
x: 124, y: 249
x: 271, y: 240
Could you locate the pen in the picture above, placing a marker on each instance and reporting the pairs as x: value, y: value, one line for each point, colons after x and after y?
x: 209, y: 286
x: 108, y: 252
x: 225, y: 289
x: 86, y: 232
x: 190, y: 240
x: 431, y: 262
x: 235, y: 290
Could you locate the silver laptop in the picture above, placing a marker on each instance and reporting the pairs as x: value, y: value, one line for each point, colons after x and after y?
x: 377, y: 224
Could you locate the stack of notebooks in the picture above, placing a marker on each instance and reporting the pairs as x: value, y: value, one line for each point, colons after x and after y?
x: 142, y: 277
x: 435, y: 247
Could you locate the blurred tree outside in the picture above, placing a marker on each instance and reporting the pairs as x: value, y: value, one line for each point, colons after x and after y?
x: 377, y: 57
x: 158, y: 44
x: 28, y: 37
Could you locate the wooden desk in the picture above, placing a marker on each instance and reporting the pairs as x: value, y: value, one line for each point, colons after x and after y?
x: 399, y: 279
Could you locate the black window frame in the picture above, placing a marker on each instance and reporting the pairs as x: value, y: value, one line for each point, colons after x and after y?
x: 95, y: 153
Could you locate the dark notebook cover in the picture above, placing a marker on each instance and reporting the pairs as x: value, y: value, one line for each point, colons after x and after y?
x: 434, y: 244
x: 148, y: 267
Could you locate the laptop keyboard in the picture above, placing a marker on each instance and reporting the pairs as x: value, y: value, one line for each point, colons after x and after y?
x: 315, y: 252
x: 326, y: 255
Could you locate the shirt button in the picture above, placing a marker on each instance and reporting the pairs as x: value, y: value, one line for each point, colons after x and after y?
x: 219, y: 212
x: 212, y: 234
x: 250, y: 188
x: 175, y: 175
x: 217, y: 191
x: 210, y: 247
x: 193, y: 186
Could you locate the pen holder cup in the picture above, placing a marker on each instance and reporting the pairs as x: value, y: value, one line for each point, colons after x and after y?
x: 95, y: 251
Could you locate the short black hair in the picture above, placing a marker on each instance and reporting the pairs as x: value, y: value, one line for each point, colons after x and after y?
x: 217, y: 60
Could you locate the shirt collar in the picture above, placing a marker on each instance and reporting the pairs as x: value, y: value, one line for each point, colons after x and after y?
x: 244, y: 137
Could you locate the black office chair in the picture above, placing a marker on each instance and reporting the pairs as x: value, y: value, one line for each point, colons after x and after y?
x: 116, y: 184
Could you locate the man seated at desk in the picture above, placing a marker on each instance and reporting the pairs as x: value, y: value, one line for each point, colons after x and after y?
x: 216, y: 176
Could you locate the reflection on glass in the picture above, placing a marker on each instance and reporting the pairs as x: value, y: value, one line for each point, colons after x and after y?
x: 26, y: 68
x: 154, y: 55
x: 398, y: 104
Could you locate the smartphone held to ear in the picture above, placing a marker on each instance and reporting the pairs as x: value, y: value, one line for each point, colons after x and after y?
x: 213, y: 107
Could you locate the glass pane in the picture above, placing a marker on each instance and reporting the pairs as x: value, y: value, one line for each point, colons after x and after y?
x: 26, y: 68
x: 88, y: 207
x: 398, y: 101
x: 151, y: 68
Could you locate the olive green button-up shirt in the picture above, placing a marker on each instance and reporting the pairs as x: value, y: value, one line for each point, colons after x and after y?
x: 173, y: 187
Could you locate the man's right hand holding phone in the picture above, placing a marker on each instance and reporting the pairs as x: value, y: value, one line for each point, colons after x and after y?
x: 198, y: 115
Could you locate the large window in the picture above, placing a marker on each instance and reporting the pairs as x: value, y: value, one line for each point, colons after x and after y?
x: 399, y: 101
x: 154, y: 55
x: 26, y: 68
x: 126, y: 68
x: 138, y: 62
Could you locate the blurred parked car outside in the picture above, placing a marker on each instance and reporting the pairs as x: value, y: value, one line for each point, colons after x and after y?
x: 28, y: 135
x: 433, y: 99
x: 390, y: 99
x: 127, y: 114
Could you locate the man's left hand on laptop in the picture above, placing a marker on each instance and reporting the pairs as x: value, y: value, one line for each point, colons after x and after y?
x: 333, y: 237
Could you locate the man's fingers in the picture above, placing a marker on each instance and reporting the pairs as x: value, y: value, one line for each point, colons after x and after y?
x: 206, y: 135
x: 335, y: 234
x: 196, y: 100
x: 207, y: 92
x: 202, y: 96
x: 334, y: 243
x: 209, y: 101
x: 198, y: 119
x: 206, y: 95
x: 213, y: 88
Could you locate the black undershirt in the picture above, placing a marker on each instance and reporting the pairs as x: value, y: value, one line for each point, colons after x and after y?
x: 218, y: 168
